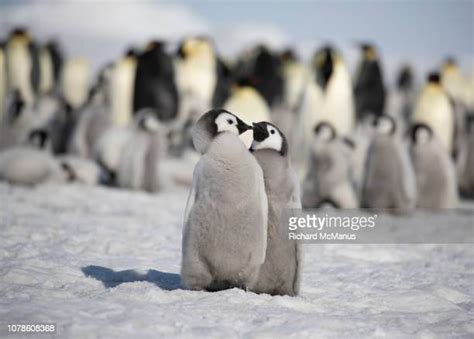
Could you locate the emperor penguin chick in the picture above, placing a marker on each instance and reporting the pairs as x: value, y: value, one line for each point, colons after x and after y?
x: 329, y: 177
x: 434, y: 170
x: 31, y: 164
x: 389, y: 180
x: 140, y: 160
x: 280, y: 273
x: 225, y: 230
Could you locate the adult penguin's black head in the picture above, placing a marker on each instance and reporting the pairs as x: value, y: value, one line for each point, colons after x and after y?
x: 288, y: 55
x: 368, y: 51
x: 19, y: 31
x: 268, y: 136
x: 405, y: 78
x: 324, y: 62
x: 434, y: 78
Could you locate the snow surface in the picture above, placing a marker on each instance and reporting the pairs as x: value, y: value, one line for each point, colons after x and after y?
x: 103, y: 262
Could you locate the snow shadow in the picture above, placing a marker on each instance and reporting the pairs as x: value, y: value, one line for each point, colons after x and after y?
x: 111, y: 278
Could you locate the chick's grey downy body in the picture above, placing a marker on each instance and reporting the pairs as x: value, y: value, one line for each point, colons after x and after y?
x: 389, y: 180
x: 225, y: 236
x: 435, y: 174
x: 280, y: 273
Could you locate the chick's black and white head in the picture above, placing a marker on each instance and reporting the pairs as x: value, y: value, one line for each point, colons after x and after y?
x: 421, y: 134
x: 268, y: 136
x: 147, y: 121
x: 214, y: 122
x: 385, y: 125
x: 324, y: 131
x: 38, y: 138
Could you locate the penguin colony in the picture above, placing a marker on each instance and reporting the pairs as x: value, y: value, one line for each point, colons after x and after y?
x: 278, y: 133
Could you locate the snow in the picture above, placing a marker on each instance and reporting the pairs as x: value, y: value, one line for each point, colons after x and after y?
x: 103, y: 262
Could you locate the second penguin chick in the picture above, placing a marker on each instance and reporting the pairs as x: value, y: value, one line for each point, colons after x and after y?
x: 329, y: 175
x: 434, y: 170
x: 225, y: 230
x: 280, y: 273
x: 139, y: 166
x: 389, y: 180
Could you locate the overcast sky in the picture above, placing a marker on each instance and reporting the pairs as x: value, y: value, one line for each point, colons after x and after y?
x: 421, y: 31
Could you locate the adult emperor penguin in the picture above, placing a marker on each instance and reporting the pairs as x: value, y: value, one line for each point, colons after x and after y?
x: 401, y: 97
x: 249, y: 105
x: 328, y: 97
x: 264, y: 67
x: 22, y: 64
x: 336, y: 104
x: 434, y: 170
x: 76, y: 81
x: 433, y: 108
x: 295, y: 75
x: 369, y: 86
x: 280, y: 273
x: 452, y: 80
x: 225, y: 231
x: 56, y: 55
x: 122, y: 83
x: 389, y: 180
x: 46, y: 69
x: 155, y: 83
x: 140, y: 162
x: 196, y: 68
x: 329, y: 177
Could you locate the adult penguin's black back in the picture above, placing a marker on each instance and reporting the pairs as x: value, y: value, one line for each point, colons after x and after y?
x: 369, y: 87
x: 223, y: 85
x: 265, y: 71
x: 155, y: 85
x: 268, y: 76
x: 56, y: 59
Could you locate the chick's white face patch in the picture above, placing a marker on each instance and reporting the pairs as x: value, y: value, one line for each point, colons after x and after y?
x: 325, y: 133
x: 151, y: 124
x: 384, y: 126
x: 273, y: 141
x: 422, y: 136
x: 227, y: 122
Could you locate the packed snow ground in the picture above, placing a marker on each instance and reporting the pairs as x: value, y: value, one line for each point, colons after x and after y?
x: 102, y: 262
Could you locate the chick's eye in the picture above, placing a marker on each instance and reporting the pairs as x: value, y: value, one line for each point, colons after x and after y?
x: 272, y: 131
x: 230, y: 121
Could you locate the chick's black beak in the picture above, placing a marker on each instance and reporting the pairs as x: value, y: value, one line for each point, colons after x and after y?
x: 242, y: 126
x: 260, y: 132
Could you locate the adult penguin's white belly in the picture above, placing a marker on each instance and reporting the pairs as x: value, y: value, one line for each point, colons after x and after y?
x: 46, y: 71
x: 338, y: 103
x: 19, y: 67
x: 76, y: 81
x: 249, y: 106
x: 197, y: 77
x: 434, y: 109
x: 121, y: 91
